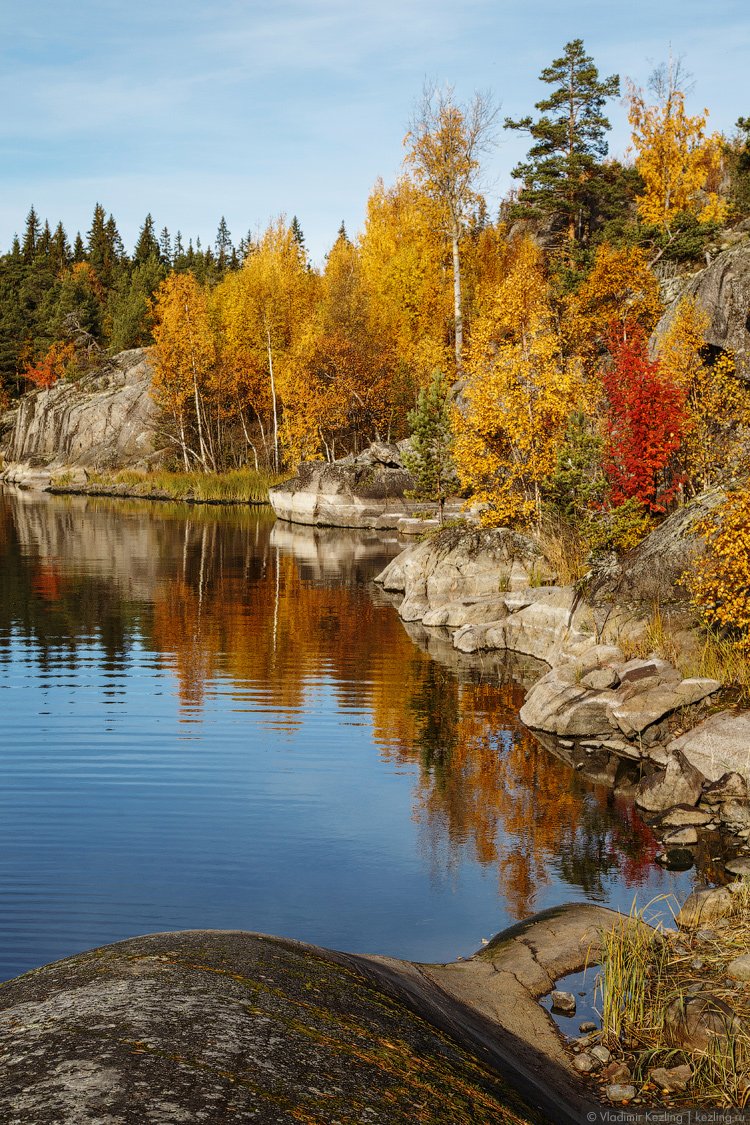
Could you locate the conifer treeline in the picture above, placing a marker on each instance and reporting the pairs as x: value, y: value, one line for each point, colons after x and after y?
x: 91, y: 296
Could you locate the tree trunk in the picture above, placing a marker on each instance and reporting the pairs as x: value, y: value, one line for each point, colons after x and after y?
x: 273, y: 398
x: 457, y: 302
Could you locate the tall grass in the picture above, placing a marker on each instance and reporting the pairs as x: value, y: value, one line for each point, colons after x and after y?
x: 633, y: 971
x: 239, y: 486
x: 644, y: 971
x: 565, y: 548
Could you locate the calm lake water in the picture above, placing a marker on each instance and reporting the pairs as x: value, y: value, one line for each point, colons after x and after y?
x: 211, y: 720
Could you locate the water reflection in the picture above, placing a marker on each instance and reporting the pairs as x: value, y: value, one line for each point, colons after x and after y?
x: 253, y: 739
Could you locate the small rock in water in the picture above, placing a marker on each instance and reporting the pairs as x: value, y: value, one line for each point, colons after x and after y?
x: 680, y: 836
x: 676, y: 859
x: 619, y: 1093
x: 587, y: 1025
x: 564, y: 1003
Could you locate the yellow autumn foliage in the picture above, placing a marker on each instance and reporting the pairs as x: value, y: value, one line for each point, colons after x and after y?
x: 518, y: 396
x: 720, y: 582
x: 679, y: 162
x: 620, y: 290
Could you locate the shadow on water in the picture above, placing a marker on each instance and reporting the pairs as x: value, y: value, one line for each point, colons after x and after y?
x: 213, y: 720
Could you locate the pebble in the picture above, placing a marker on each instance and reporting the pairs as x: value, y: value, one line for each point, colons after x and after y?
x: 587, y: 1025
x: 619, y: 1093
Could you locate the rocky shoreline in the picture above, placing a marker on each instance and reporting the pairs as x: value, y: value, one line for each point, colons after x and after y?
x: 636, y: 724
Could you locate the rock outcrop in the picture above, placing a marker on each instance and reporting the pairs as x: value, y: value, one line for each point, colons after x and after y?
x: 618, y: 720
x: 215, y: 1026
x: 722, y: 291
x: 105, y: 420
x: 367, y: 491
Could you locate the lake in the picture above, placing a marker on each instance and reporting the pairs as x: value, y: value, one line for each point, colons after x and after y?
x: 211, y: 720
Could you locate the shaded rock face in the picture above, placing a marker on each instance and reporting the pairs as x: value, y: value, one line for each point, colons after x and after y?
x: 650, y: 574
x: 213, y: 1026
x: 722, y: 290
x: 106, y: 420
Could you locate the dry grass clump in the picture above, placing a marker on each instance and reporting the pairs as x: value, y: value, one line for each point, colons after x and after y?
x: 714, y: 657
x: 565, y: 548
x: 644, y: 970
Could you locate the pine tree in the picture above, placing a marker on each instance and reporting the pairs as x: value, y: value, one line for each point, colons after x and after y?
x: 569, y: 140
x: 129, y: 307
x: 431, y: 461
x: 79, y: 250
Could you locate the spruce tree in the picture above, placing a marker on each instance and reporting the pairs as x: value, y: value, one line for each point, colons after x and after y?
x: 147, y: 245
x: 60, y: 248
x: 297, y: 234
x: 98, y: 246
x: 569, y: 140
x: 223, y: 245
x: 431, y: 460
x: 165, y: 247
x: 30, y: 236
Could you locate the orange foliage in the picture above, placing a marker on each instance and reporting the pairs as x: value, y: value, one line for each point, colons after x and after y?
x: 49, y: 370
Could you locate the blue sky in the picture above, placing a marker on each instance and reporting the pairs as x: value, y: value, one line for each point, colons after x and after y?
x: 251, y: 108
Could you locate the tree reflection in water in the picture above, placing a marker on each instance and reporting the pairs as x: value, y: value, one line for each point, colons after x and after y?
x: 272, y: 614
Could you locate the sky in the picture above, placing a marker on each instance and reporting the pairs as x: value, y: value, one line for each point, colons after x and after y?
x: 250, y: 108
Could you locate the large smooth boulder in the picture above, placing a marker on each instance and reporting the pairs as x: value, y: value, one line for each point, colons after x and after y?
x: 650, y: 574
x: 106, y: 420
x: 368, y: 491
x: 212, y: 1026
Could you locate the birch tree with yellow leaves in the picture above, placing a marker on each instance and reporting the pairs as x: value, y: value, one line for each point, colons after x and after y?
x: 444, y: 146
x: 261, y: 309
x: 679, y: 161
x: 718, y: 401
x: 519, y: 394
x: 184, y: 356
